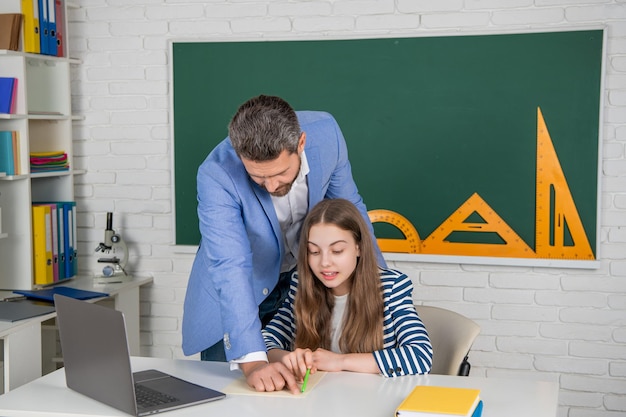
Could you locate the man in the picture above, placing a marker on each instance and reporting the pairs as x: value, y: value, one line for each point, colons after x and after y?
x: 254, y: 190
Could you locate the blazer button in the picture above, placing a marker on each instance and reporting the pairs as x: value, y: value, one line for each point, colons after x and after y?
x: 399, y: 370
x: 266, y: 291
x: 227, y: 341
x: 390, y: 371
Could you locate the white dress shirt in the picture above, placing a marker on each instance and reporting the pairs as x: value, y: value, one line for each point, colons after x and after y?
x: 291, y: 210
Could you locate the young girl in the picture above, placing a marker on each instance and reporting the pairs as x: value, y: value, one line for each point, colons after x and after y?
x: 344, y: 313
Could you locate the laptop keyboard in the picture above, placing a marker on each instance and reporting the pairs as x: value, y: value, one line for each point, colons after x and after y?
x: 147, y: 397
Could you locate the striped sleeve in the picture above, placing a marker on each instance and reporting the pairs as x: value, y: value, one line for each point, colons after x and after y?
x: 281, y: 330
x: 406, y: 347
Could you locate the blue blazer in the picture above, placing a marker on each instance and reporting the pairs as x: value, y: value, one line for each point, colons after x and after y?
x: 238, y: 262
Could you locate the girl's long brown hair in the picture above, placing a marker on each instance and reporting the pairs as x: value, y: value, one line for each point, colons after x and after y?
x: 363, y: 317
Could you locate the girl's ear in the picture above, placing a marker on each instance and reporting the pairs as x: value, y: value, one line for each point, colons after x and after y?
x: 358, y: 251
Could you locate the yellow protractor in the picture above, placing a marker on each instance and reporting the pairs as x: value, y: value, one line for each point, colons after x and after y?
x: 411, y: 242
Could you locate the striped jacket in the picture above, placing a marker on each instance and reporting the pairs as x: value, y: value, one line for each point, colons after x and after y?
x: 406, y: 346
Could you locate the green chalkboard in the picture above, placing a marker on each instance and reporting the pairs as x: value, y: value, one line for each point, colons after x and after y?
x: 428, y: 121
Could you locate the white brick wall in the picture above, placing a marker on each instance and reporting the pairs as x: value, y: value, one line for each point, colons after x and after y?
x: 563, y: 325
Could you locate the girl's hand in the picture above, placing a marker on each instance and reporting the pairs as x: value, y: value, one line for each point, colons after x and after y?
x: 299, y: 361
x: 325, y: 360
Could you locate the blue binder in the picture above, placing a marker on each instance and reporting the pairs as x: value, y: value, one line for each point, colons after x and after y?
x: 61, y: 239
x: 52, y: 28
x: 69, y: 235
x: 44, y: 35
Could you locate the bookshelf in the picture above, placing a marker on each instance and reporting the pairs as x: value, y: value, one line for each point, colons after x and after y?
x: 43, y: 119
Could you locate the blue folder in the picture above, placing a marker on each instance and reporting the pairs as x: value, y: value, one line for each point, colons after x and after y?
x: 48, y: 294
x: 6, y: 94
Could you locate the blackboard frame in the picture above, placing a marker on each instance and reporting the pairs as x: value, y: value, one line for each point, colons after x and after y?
x: 465, y: 111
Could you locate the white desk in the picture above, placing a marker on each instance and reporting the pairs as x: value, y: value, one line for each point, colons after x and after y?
x: 22, y: 340
x: 337, y: 394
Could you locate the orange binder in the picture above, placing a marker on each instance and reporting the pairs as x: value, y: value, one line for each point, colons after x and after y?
x: 42, y: 245
x: 30, y: 10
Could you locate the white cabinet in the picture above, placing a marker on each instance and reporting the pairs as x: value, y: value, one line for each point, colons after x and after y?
x: 43, y: 120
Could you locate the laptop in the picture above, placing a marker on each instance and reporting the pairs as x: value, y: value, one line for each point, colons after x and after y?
x: 97, y: 363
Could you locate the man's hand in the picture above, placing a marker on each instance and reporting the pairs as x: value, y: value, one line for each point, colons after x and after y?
x: 263, y: 376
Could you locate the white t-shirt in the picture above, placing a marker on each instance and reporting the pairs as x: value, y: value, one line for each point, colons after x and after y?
x: 337, y: 322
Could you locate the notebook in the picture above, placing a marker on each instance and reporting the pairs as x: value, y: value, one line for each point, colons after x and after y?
x: 440, y: 401
x: 97, y: 363
x: 19, y: 310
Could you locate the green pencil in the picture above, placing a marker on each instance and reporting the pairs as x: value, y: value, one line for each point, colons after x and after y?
x: 306, y: 378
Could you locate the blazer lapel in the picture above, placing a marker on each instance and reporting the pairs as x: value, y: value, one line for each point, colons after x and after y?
x: 268, y: 207
x: 314, y: 177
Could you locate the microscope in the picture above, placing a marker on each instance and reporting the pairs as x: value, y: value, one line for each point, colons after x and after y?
x: 114, y: 246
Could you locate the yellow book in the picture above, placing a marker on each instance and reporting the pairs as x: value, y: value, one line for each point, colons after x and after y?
x: 436, y: 401
x: 42, y: 245
x: 46, y: 154
x: 30, y: 10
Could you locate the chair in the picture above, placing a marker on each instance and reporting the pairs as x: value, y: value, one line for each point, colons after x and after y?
x: 451, y: 335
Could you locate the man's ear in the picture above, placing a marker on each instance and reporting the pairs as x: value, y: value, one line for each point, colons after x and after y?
x: 301, y: 143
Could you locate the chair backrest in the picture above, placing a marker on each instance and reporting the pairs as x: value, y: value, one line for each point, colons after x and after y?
x: 451, y: 335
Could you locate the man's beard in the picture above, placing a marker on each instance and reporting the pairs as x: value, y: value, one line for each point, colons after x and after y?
x: 283, y: 190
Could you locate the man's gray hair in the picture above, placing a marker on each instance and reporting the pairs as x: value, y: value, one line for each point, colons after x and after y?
x: 263, y: 128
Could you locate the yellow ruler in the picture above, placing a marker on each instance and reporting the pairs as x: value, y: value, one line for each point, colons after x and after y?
x: 437, y: 242
x: 555, y: 208
x: 411, y: 241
